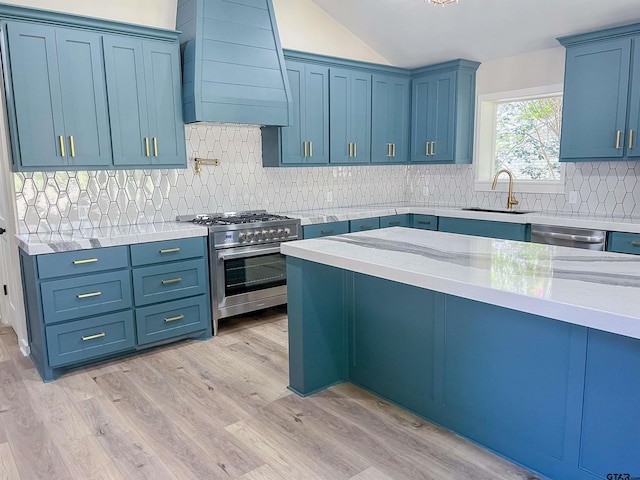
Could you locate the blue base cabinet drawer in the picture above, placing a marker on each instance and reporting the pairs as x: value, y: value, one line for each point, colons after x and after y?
x: 395, y: 221
x: 172, y: 319
x: 364, y: 224
x: 85, y: 295
x: 159, y: 283
x: 325, y: 229
x: 424, y: 222
x: 622, y: 242
x: 80, y: 262
x: 167, y: 251
x: 90, y: 338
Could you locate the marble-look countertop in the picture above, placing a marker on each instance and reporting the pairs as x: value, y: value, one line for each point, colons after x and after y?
x: 41, y: 243
x: 595, y: 289
x: 578, y: 220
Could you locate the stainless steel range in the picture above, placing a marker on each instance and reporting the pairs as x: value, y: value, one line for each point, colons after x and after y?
x: 246, y: 267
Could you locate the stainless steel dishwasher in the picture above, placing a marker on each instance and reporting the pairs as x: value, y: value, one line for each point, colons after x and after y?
x: 569, y: 237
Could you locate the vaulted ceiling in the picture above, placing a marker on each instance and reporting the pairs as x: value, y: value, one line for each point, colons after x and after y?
x: 411, y: 33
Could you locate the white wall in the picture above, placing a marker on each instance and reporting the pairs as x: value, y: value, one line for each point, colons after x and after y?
x: 154, y: 13
x: 537, y: 69
x: 306, y: 27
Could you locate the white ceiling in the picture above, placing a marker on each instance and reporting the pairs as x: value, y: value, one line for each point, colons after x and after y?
x: 411, y: 33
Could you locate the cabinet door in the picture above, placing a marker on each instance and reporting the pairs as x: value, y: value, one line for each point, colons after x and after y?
x: 36, y: 94
x: 390, y: 119
x: 84, y: 98
x: 292, y: 149
x: 316, y: 114
x: 633, y: 126
x: 595, y: 100
x: 164, y: 103
x: 124, y: 66
x: 350, y: 116
x: 433, y: 118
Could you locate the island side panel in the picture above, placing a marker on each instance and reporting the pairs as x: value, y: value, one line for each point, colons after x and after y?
x: 317, y: 325
x: 514, y: 382
x: 392, y: 341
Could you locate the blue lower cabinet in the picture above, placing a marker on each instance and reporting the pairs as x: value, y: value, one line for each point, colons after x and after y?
x: 90, y: 338
x: 364, y: 224
x: 83, y: 307
x: 395, y: 221
x: 172, y: 319
x: 424, y: 222
x: 557, y: 398
x: 485, y: 228
x: 623, y: 242
x: 325, y: 229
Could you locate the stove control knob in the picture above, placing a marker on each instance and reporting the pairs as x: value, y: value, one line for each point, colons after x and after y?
x: 287, y: 231
x: 280, y: 233
x: 265, y: 234
x: 272, y: 233
x: 249, y: 236
x: 241, y: 237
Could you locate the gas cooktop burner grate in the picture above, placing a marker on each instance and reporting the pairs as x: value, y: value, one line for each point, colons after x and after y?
x: 236, y: 218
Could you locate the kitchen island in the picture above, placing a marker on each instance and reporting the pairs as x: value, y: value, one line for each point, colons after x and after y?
x: 531, y: 350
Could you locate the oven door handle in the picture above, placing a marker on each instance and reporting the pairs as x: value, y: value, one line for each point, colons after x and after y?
x: 251, y: 253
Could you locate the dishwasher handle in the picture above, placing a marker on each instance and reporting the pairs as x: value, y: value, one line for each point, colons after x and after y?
x: 571, y: 237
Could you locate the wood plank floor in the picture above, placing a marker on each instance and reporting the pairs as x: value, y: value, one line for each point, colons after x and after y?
x: 216, y: 409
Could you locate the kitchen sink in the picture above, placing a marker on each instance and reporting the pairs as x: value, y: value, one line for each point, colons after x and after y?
x: 497, y: 210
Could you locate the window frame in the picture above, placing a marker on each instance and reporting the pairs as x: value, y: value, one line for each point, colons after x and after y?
x: 485, y: 136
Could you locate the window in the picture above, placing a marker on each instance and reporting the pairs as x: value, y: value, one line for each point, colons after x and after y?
x: 520, y: 131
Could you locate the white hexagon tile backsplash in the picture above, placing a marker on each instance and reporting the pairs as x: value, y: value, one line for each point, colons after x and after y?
x: 56, y: 201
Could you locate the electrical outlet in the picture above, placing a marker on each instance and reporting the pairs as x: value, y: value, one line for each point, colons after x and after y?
x: 573, y: 196
x: 329, y: 197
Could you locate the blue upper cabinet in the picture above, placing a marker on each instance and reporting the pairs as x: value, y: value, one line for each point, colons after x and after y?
x: 143, y: 82
x: 84, y: 93
x: 233, y: 66
x: 350, y: 116
x: 390, y: 118
x: 306, y: 140
x: 58, y: 94
x: 601, y: 105
x: 442, y: 112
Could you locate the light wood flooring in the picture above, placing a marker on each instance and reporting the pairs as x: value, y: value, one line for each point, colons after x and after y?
x: 216, y: 409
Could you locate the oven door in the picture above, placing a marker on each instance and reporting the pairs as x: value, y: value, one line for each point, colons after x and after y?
x: 249, y: 278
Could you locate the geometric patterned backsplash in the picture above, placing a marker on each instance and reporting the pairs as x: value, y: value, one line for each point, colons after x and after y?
x: 57, y: 201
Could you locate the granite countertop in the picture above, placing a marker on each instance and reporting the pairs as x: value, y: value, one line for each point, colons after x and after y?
x: 578, y: 220
x: 81, y: 239
x: 595, y: 289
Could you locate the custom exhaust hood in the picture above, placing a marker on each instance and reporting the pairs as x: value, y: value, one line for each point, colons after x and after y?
x: 233, y: 69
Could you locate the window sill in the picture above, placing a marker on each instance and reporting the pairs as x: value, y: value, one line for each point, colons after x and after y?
x: 522, y: 186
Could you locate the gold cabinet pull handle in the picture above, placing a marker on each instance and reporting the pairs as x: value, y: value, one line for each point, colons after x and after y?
x: 630, y: 139
x: 311, y: 149
x: 86, y: 260
x: 388, y: 149
x: 635, y: 244
x: 355, y: 149
x: 433, y: 148
x: 155, y: 147
x: 146, y: 144
x: 61, y: 138
x: 393, y: 149
x: 424, y: 222
x: 350, y: 149
x: 73, y: 146
x: 170, y: 250
x: 91, y: 337
x: 173, y: 319
x: 327, y: 232
x: 427, y: 149
x: 173, y: 280
x: 618, y: 134
x: 305, y: 149
x: 87, y: 295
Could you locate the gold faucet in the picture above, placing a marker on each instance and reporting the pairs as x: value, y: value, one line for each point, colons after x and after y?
x: 511, y: 201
